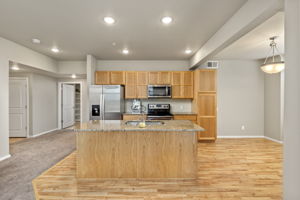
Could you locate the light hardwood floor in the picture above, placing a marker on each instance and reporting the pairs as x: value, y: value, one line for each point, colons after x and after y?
x: 230, y: 169
x: 13, y: 140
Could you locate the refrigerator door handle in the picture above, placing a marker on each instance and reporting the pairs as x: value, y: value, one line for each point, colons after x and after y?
x: 103, y: 107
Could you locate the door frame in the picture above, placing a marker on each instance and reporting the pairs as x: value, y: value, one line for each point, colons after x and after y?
x: 27, y: 101
x: 60, y: 100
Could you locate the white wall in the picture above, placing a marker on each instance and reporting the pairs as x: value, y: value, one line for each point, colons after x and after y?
x: 4, y: 133
x: 10, y: 51
x: 240, y: 98
x: 72, y: 67
x: 142, y: 65
x: 273, y: 106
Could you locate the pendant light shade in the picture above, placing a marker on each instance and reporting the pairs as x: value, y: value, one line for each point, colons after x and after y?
x: 273, y: 66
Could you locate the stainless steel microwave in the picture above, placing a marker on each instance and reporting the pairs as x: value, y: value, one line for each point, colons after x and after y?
x: 159, y: 91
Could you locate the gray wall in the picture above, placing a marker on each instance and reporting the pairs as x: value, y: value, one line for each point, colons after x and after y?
x: 240, y: 98
x: 273, y: 106
x: 10, y: 51
x: 143, y: 65
x: 42, y: 102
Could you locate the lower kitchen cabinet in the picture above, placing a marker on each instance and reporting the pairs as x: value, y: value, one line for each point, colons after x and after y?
x: 210, y: 126
x: 128, y: 117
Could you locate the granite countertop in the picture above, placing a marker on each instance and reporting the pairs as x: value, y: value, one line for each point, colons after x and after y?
x: 119, y: 125
x: 174, y: 113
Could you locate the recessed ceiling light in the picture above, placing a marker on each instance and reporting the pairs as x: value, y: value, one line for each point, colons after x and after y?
x: 55, y: 50
x: 188, y: 51
x: 109, y: 20
x: 125, y: 51
x: 166, y: 20
x: 15, y: 67
x: 74, y: 76
x: 36, y: 41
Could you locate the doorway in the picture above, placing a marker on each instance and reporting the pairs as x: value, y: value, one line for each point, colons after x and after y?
x: 70, y: 101
x: 18, y: 107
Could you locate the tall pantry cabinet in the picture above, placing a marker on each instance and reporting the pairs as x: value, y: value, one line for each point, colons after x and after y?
x: 205, y: 102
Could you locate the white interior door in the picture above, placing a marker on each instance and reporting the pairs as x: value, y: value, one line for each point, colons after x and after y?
x: 17, y: 107
x: 68, y: 105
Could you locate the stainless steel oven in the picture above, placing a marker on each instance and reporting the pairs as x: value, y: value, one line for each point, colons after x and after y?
x: 159, y: 91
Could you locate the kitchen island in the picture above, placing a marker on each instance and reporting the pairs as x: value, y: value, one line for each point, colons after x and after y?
x: 119, y: 149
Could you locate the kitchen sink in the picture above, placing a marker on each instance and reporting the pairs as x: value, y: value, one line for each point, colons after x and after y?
x: 136, y: 123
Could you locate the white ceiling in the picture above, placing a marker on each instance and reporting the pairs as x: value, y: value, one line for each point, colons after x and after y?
x: 255, y: 44
x: 77, y: 28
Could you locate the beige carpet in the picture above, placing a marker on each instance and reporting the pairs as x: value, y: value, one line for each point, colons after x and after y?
x: 29, y: 159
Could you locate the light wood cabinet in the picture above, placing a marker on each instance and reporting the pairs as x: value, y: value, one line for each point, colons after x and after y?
x: 159, y: 78
x: 205, y: 102
x: 136, y: 85
x: 182, y: 85
x: 192, y: 118
x: 128, y: 117
x: 109, y: 78
x: 102, y: 78
x: 117, y: 78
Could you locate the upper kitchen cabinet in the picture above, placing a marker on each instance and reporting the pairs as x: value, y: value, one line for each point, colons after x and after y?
x: 136, y: 85
x: 109, y: 78
x: 102, y: 78
x: 205, y: 80
x: 117, y: 78
x: 182, y: 85
x: 159, y: 78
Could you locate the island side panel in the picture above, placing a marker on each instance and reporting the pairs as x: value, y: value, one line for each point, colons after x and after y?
x: 167, y: 155
x: 136, y: 154
x: 106, y: 155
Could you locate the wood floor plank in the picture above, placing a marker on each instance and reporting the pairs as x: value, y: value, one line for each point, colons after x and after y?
x: 230, y: 169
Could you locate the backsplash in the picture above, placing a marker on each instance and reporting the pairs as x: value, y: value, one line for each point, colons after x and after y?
x: 177, y: 105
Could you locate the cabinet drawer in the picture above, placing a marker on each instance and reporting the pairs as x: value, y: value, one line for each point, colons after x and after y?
x: 128, y: 117
x: 192, y: 118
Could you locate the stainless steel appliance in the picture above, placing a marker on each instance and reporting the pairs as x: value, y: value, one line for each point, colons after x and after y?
x: 159, y: 91
x: 159, y: 112
x: 106, y: 102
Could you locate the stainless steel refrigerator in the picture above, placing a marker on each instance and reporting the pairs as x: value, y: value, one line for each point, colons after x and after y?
x: 106, y: 102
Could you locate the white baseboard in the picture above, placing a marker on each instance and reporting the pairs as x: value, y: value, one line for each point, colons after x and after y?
x: 5, y: 157
x: 258, y: 136
x: 43, y: 133
x: 243, y: 136
x: 274, y: 140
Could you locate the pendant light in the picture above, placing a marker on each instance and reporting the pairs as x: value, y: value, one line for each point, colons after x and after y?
x: 273, y: 66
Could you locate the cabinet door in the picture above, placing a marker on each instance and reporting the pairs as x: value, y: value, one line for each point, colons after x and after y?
x: 187, y: 91
x: 209, y: 124
x: 206, y: 104
x: 142, y: 78
x: 130, y: 78
x: 130, y: 92
x: 176, y: 92
x: 142, y: 91
x: 165, y: 78
x: 206, y: 80
x: 176, y: 78
x: 117, y: 78
x: 102, y: 78
x: 187, y: 78
x: 154, y: 78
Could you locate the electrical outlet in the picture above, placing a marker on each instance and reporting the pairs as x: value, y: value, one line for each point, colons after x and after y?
x: 243, y: 128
